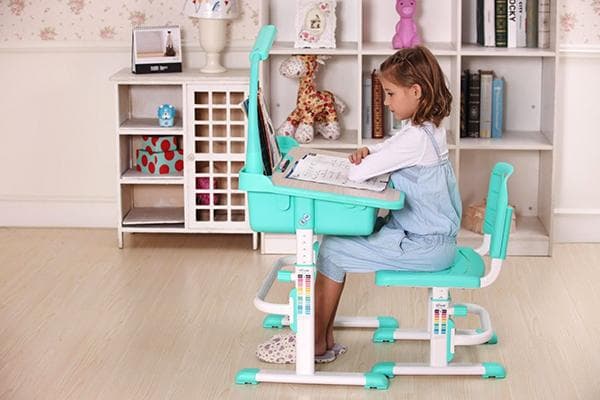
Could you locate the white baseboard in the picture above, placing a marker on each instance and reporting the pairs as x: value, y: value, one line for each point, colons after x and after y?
x: 577, y: 228
x: 71, y: 212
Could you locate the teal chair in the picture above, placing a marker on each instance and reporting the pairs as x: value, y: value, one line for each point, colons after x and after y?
x: 467, y: 272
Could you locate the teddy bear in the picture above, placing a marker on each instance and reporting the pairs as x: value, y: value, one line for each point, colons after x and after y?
x: 315, y: 109
x: 406, y: 35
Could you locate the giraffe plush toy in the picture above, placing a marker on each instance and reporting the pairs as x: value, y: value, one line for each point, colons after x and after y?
x: 315, y: 109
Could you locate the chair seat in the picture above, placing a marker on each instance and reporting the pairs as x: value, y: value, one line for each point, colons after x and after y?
x: 465, y: 272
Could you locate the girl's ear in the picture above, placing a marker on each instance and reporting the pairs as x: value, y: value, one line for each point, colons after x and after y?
x: 415, y: 90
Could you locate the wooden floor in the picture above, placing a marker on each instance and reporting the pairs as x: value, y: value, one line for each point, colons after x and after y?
x: 171, y: 317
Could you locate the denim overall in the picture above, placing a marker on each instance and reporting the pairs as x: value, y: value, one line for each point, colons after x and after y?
x: 419, y: 237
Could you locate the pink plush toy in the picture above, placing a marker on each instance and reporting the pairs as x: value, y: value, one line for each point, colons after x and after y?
x: 406, y: 30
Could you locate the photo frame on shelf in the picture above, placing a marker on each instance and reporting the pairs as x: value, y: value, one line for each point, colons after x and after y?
x: 156, y: 49
x: 315, y: 24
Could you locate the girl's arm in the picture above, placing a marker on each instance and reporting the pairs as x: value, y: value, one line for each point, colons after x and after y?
x: 400, y: 151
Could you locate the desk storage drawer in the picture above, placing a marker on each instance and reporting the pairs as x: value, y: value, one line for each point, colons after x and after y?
x: 274, y: 213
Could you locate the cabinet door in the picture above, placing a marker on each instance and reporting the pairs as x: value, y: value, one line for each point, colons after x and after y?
x: 215, y: 153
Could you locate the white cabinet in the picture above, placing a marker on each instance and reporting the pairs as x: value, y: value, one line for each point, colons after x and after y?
x: 211, y: 130
x: 364, y: 32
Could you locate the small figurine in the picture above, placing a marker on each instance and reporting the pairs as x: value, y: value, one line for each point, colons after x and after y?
x: 406, y: 29
x: 166, y: 115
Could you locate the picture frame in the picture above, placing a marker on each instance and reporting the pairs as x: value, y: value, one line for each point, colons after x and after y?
x: 156, y: 49
x: 315, y: 24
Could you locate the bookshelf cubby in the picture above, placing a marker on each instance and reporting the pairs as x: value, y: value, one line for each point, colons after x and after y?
x: 364, y: 32
x: 211, y: 130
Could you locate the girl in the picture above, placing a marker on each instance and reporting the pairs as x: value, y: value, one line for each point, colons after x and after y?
x: 422, y: 235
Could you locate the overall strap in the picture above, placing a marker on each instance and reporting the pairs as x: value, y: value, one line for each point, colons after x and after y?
x: 429, y: 132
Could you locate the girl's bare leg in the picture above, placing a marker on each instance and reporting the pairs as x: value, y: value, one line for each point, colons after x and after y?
x: 327, y: 298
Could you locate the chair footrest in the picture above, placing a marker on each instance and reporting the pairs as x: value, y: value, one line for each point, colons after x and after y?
x: 485, y: 370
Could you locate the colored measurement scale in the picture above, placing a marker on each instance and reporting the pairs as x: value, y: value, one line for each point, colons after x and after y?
x: 304, y: 281
x: 440, y: 319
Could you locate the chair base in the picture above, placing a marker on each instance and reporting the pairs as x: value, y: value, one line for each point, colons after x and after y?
x: 369, y: 380
x: 485, y: 370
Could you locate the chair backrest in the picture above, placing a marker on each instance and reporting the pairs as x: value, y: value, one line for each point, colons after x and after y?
x: 498, y: 214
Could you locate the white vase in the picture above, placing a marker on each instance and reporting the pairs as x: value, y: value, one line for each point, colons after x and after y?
x: 212, y: 39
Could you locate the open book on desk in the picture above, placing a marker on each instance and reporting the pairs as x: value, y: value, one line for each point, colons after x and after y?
x: 330, y: 169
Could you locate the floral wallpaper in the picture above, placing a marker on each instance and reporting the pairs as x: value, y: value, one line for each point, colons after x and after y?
x: 29, y: 21
x: 579, y: 22
x: 107, y: 21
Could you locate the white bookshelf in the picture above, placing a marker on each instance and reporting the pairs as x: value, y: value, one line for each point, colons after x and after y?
x: 211, y: 130
x: 364, y: 32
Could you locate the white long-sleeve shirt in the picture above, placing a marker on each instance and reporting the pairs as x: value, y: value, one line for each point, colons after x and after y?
x: 411, y: 146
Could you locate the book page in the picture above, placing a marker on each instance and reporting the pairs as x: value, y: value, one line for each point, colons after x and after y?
x: 332, y: 170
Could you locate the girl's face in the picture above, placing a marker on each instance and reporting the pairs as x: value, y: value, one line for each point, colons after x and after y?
x: 402, y: 101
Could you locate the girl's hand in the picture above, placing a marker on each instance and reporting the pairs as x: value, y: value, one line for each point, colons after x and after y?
x: 358, y: 155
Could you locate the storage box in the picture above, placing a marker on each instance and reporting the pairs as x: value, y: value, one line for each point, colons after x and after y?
x: 474, y: 215
x: 160, y: 163
x: 159, y: 143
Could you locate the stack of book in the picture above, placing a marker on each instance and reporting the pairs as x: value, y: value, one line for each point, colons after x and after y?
x: 481, y: 104
x: 508, y: 23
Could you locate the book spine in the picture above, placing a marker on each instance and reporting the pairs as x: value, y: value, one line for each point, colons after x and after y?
x: 367, y: 117
x: 497, y: 107
x: 469, y: 21
x: 474, y: 104
x: 532, y: 23
x: 377, y: 102
x: 511, y: 25
x: 500, y: 17
x: 464, y: 102
x: 489, y: 23
x: 485, y: 114
x: 522, y: 23
x: 544, y: 24
x: 479, y: 19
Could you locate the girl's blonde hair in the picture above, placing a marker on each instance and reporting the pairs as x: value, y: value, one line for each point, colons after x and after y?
x: 417, y: 65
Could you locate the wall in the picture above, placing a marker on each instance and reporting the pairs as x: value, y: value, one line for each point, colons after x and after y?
x: 58, y: 163
x: 577, y: 202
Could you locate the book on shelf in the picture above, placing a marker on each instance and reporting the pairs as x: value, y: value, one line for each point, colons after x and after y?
x: 474, y: 105
x: 479, y: 22
x: 544, y: 24
x: 469, y: 21
x: 532, y: 23
x: 507, y: 23
x: 497, y: 107
x: 377, y: 106
x: 489, y: 22
x: 464, y: 101
x: 367, y: 109
x: 522, y: 23
x: 500, y: 22
x: 485, y: 112
x: 511, y: 24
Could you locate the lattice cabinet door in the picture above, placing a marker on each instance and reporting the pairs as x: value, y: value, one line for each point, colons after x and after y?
x: 216, y: 137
